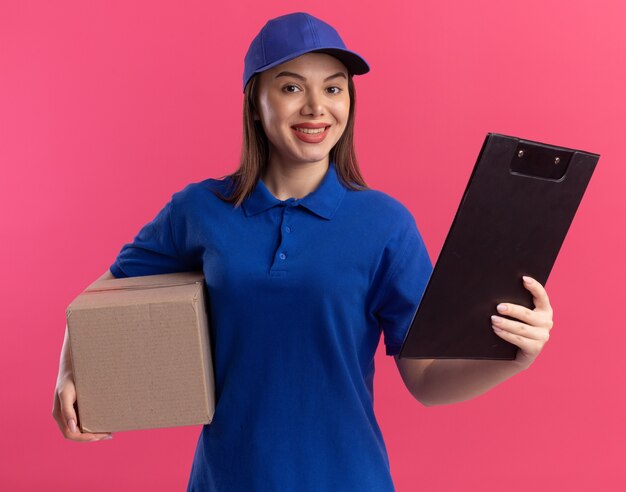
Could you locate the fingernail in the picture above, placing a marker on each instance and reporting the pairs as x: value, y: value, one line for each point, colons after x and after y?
x: 496, y: 319
x: 107, y: 437
x: 496, y: 329
x: 501, y: 307
x: 72, y: 425
x: 528, y: 280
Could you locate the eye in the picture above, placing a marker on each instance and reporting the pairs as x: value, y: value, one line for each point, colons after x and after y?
x: 290, y: 86
x: 337, y: 91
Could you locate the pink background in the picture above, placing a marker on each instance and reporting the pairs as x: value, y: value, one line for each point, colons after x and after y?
x: 109, y: 107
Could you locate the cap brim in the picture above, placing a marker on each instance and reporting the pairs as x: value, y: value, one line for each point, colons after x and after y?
x: 353, y: 61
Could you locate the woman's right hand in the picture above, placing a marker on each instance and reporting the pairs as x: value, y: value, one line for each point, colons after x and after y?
x: 64, y: 412
x: 63, y: 408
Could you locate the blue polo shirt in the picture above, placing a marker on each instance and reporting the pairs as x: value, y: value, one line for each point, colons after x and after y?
x: 300, y: 291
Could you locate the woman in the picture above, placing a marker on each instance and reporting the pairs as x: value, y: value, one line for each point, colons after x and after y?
x: 305, y: 267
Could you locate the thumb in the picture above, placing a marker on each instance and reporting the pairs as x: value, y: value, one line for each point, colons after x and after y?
x: 68, y: 397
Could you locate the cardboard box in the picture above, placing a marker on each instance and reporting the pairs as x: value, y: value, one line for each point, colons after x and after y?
x: 141, y: 353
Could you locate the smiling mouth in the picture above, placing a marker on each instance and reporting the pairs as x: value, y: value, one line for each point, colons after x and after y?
x: 310, y: 135
x: 311, y: 131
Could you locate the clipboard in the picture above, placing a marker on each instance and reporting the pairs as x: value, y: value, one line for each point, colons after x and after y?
x: 512, y: 220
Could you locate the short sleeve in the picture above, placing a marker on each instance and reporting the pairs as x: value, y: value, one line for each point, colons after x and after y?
x: 153, y: 250
x: 402, y: 287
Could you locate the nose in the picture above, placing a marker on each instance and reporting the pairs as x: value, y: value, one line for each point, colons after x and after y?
x: 313, y: 105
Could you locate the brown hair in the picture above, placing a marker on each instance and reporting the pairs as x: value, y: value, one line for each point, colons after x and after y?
x: 255, y: 150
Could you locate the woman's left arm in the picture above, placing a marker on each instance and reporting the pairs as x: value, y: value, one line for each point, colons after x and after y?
x: 444, y: 381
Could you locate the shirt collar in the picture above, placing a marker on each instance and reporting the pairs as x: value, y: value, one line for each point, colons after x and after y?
x: 322, y: 201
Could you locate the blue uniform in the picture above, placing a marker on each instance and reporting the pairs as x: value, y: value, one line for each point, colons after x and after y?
x: 299, y: 293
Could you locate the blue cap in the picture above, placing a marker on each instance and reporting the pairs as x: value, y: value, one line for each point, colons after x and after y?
x: 289, y: 36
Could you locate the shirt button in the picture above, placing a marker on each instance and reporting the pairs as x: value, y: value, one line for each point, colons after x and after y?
x: 288, y: 229
x: 282, y: 256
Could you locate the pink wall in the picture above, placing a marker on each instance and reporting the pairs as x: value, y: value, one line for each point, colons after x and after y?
x: 107, y: 108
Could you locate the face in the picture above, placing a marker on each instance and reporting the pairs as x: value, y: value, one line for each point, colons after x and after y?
x: 303, y: 106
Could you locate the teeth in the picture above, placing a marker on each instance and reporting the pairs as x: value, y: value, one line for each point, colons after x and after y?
x: 311, y: 130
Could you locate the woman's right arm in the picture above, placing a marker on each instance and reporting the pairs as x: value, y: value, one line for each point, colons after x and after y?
x: 63, y: 410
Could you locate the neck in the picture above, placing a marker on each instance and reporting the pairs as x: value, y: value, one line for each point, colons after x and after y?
x: 285, y: 180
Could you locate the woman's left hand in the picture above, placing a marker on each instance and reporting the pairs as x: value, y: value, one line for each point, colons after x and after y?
x: 532, y: 331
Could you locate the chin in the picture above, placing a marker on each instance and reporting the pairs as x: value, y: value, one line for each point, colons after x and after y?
x: 315, y: 158
x: 318, y: 154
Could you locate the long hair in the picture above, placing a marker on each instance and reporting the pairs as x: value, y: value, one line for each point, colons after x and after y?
x: 255, y: 150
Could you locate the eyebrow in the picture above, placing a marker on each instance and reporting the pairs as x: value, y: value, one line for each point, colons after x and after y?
x: 298, y: 76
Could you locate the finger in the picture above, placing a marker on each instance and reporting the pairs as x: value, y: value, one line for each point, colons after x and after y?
x: 57, y: 414
x: 88, y: 436
x: 79, y: 436
x: 69, y: 419
x: 67, y: 397
x: 528, y: 346
x: 93, y: 437
x: 521, y: 313
x: 521, y: 329
x: 540, y: 296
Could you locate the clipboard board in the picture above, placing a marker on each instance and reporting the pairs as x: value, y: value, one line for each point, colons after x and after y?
x: 512, y: 220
